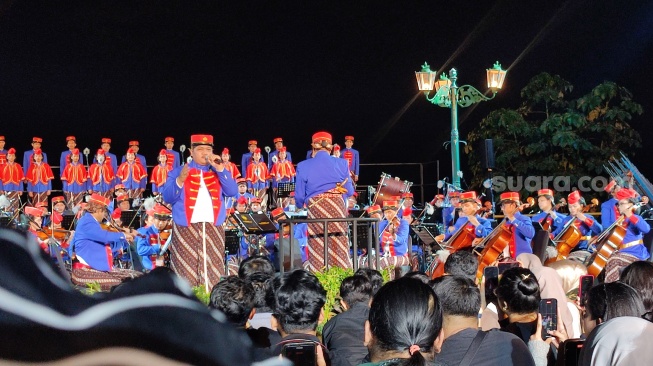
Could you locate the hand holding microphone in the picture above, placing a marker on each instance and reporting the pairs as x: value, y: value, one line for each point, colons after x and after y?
x: 215, y: 161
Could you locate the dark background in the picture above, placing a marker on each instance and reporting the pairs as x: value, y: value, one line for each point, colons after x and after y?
x: 257, y: 70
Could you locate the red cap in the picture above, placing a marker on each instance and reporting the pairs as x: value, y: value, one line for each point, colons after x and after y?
x: 57, y: 218
x: 99, y: 199
x: 282, y: 149
x: 608, y: 188
x: 625, y: 194
x: 163, y: 152
x: 33, y: 211
x: 252, y: 142
x: 11, y: 151
x: 57, y: 199
x: 225, y: 151
x: 468, y: 197
x: 37, y: 139
x: 171, y: 139
x: 122, y: 198
x: 574, y: 197
x: 278, y: 214
x: 100, y: 152
x: 439, y: 196
x: 242, y: 200
x: 133, y: 143
x: 130, y: 151
x: 41, y: 204
x: 162, y: 211
x: 257, y: 151
x: 75, y: 151
x: 336, y: 147
x: 389, y: 205
x: 255, y: 200
x: 116, y: 214
x: 509, y: 196
x: 321, y: 136
x: 201, y: 140
x: 395, y: 198
x: 106, y: 140
x: 407, y: 195
x: 241, y: 180
x: 351, y: 138
x: 119, y: 186
x: 453, y: 194
x: 278, y: 139
x: 38, y: 152
x: 373, y: 209
x: 70, y: 138
x: 230, y: 211
x: 545, y: 192
x: 2, y: 138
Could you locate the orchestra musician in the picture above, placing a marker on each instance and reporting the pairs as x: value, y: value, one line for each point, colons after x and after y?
x: 160, y: 173
x: 585, y: 224
x: 11, y: 177
x: 278, y: 145
x: 231, y: 167
x: 173, y: 159
x: 148, y: 245
x: 449, y: 215
x: 632, y: 247
x: 548, y: 217
x: 609, y: 208
x: 520, y: 225
x: 94, y: 246
x: 352, y: 156
x: 35, y: 215
x: 39, y: 178
x: 257, y: 174
x: 101, y: 176
x: 469, y: 203
x: 132, y: 174
x: 74, y: 178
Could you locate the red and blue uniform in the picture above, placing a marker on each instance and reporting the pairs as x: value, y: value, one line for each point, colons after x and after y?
x: 588, y: 228
x: 522, y: 233
x: 480, y: 231
x: 93, y: 245
x: 632, y: 243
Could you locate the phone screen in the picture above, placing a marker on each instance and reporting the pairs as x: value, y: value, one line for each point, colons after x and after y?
x: 300, y: 353
x: 491, y: 274
x: 504, y: 266
x: 549, y: 311
x: 586, y: 283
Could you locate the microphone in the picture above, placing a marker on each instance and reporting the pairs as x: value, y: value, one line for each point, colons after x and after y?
x: 267, y: 149
x: 182, y: 148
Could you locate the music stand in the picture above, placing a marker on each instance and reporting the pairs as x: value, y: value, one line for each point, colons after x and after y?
x: 253, y: 223
x: 127, y: 218
x: 68, y: 220
x: 284, y: 189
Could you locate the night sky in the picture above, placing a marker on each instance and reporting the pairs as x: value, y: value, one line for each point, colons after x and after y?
x: 257, y: 70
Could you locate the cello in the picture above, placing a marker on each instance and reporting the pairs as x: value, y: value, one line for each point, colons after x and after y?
x: 606, y: 243
x: 494, y: 245
x: 460, y: 239
x: 566, y: 241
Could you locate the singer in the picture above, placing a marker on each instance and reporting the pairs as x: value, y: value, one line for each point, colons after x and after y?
x: 196, y: 192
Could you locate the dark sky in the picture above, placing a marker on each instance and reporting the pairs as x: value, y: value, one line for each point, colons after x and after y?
x: 257, y: 70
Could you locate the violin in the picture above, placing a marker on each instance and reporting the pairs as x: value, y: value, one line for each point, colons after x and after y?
x: 57, y: 234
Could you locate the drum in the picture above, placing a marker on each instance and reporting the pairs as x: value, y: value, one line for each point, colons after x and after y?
x: 389, y: 187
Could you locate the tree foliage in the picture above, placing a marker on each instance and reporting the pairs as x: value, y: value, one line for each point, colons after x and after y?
x: 551, y: 134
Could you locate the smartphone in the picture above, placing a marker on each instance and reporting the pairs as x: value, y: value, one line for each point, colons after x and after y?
x: 504, y: 266
x: 302, y: 353
x: 491, y: 274
x: 549, y: 311
x: 585, y: 284
x: 569, y: 351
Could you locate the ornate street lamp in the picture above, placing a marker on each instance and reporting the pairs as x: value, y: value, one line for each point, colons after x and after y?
x: 448, y: 94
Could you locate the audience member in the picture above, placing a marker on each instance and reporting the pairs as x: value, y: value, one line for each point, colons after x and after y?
x: 299, y: 299
x: 263, y: 299
x: 460, y: 299
x: 417, y: 275
x: 608, y: 301
x: 550, y: 286
x: 405, y: 324
x: 639, y: 275
x: 344, y: 333
x: 570, y: 271
x: 255, y: 264
x: 623, y: 341
x: 235, y: 297
x: 375, y: 277
x: 461, y: 263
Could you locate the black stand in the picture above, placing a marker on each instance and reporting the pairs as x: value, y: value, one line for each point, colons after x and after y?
x: 284, y: 189
x: 127, y: 218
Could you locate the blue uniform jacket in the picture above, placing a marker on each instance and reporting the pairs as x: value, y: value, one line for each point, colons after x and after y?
x: 144, y: 248
x: 276, y: 153
x: 636, y: 226
x: 523, y: 233
x: 93, y: 245
x: 400, y: 244
x: 320, y: 174
x: 554, y: 223
x: 608, y: 212
x: 176, y: 196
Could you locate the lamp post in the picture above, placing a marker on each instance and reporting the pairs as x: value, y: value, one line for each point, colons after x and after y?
x: 448, y: 94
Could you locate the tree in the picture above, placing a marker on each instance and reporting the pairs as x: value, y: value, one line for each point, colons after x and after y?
x: 552, y: 135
